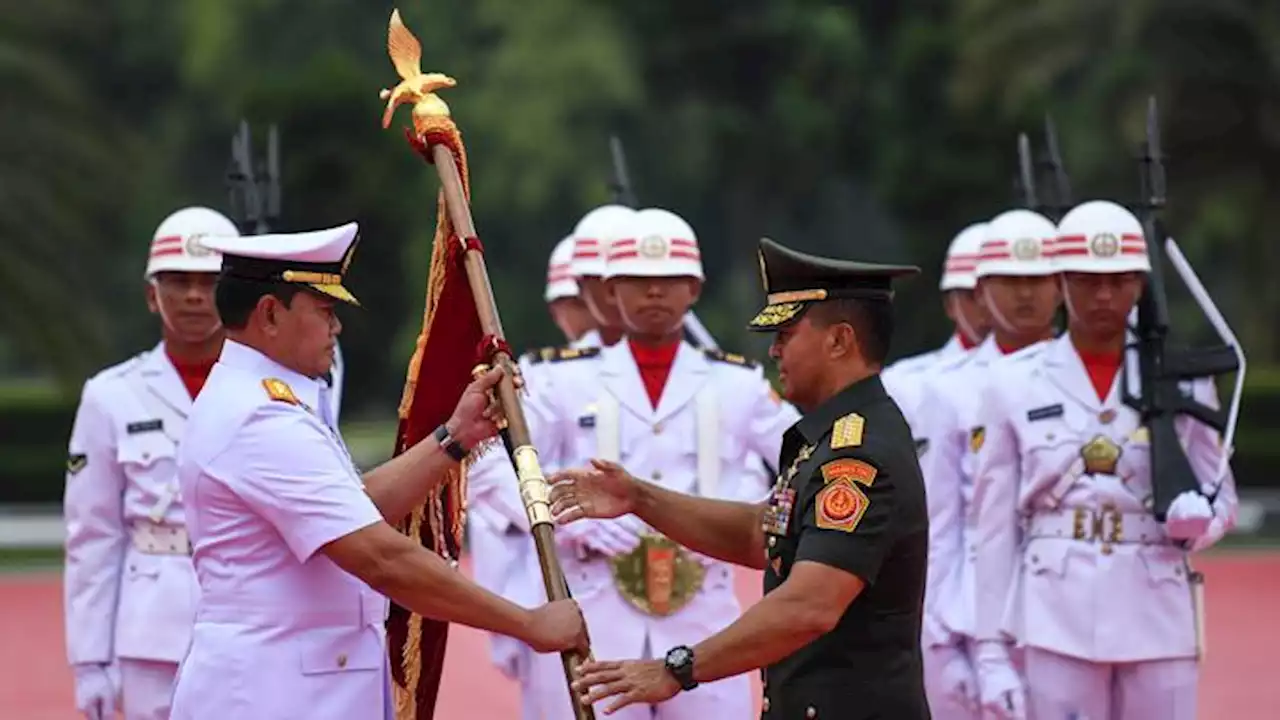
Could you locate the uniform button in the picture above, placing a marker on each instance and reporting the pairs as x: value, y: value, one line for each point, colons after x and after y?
x: 657, y: 428
x: 656, y: 476
x: 342, y: 660
x: 811, y: 712
x: 772, y: 541
x: 765, y: 705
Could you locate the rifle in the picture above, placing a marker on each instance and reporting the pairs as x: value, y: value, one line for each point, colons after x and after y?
x: 695, y: 333
x: 1061, y: 202
x: 1159, y: 369
x: 254, y: 187
x: 1025, y: 183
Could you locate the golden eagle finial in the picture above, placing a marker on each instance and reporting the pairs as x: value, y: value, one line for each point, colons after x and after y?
x: 415, y: 86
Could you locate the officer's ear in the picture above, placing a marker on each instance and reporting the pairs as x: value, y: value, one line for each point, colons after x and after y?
x: 153, y: 302
x: 842, y: 340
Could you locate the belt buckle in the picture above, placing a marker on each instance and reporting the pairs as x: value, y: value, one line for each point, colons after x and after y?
x: 1078, y: 517
x: 658, y: 577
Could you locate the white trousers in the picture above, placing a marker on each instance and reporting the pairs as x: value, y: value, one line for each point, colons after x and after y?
x: 940, y: 688
x: 146, y: 688
x: 1065, y: 688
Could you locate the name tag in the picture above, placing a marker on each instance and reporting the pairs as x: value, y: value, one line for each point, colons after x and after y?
x: 144, y: 426
x: 1044, y: 413
x: 587, y: 421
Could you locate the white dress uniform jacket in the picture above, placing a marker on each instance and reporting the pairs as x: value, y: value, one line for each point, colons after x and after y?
x: 281, y: 632
x: 950, y: 397
x: 129, y: 587
x: 1074, y: 563
x: 711, y: 416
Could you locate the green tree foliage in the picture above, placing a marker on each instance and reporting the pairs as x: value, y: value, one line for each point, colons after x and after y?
x: 874, y: 130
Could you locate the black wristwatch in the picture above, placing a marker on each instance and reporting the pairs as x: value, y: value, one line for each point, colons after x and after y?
x: 679, y: 663
x: 449, y: 444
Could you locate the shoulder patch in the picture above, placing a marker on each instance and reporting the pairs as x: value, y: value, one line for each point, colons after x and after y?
x: 859, y: 471
x: 977, y: 436
x: 841, y: 505
x: 847, y: 432
x: 560, y: 354
x: 76, y: 462
x: 280, y: 391
x: 731, y: 358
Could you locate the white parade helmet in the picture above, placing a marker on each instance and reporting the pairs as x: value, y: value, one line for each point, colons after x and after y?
x: 593, y: 235
x: 560, y: 282
x: 1018, y: 243
x: 962, y: 259
x: 177, y: 244
x: 1100, y: 236
x: 656, y: 243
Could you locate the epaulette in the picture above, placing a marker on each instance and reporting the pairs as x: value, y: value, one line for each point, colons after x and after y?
x: 124, y: 367
x: 1028, y: 352
x: 559, y: 354
x: 731, y: 358
x: 280, y: 391
x: 847, y: 431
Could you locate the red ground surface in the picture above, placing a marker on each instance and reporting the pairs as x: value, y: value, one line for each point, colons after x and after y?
x: 1238, y: 682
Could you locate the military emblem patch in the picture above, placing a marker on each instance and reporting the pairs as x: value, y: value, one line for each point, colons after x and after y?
x: 977, y: 436
x: 841, y: 505
x: 76, y: 462
x: 847, y: 432
x: 280, y: 391
x: 1100, y: 455
x: 857, y: 470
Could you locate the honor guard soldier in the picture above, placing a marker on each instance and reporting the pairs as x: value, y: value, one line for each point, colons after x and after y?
x: 504, y: 558
x: 591, y: 239
x: 1016, y: 283
x: 130, y: 590
x: 966, y: 314
x: 684, y: 419
x: 1074, y: 566
x: 294, y: 551
x: 842, y: 540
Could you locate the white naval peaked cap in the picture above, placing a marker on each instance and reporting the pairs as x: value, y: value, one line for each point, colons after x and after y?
x: 1018, y: 243
x: 178, y: 244
x: 318, y: 259
x: 657, y: 243
x: 593, y: 235
x: 1100, y: 236
x: 560, y: 282
x: 962, y: 259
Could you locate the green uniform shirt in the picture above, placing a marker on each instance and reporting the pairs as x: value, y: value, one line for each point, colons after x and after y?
x: 851, y: 496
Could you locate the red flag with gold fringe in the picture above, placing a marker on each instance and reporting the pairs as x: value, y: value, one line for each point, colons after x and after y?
x: 439, y: 371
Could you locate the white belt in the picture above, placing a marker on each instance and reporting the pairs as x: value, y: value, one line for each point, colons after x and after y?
x: 1107, y: 526
x: 157, y: 539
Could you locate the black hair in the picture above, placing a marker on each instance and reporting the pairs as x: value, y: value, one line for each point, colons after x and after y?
x: 871, y: 320
x: 235, y: 298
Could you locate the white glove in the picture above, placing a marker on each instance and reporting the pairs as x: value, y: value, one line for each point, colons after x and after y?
x: 607, y: 537
x: 1189, y: 516
x: 957, y: 678
x: 97, y: 687
x: 1217, y: 529
x: 1002, y: 694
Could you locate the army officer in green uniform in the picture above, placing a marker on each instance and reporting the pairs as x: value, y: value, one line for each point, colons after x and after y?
x: 843, y: 541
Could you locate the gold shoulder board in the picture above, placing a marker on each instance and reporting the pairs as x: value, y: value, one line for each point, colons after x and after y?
x: 847, y: 432
x: 280, y: 391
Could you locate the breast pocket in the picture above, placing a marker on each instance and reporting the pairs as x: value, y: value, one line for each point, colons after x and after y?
x: 149, y: 460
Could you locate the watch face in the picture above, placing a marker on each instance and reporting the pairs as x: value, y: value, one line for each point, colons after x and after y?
x: 678, y: 656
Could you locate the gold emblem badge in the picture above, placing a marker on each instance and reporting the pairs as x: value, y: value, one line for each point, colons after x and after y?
x: 1100, y: 456
x: 847, y: 432
x: 1104, y: 245
x: 1026, y: 248
x: 977, y: 436
x: 774, y: 315
x: 659, y: 577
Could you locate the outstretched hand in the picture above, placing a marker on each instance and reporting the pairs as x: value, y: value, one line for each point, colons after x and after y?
x: 632, y: 682
x: 603, y: 490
